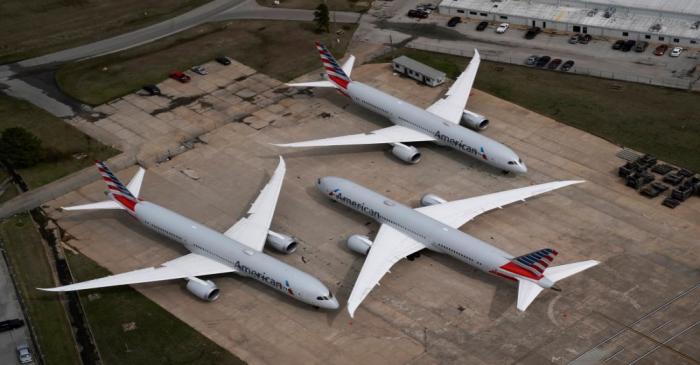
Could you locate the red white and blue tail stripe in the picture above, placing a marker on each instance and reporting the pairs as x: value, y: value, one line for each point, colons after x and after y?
x: 536, y: 262
x: 119, y: 192
x: 333, y: 70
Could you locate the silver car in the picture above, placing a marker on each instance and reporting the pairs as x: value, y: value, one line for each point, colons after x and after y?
x: 199, y: 70
x: 23, y: 354
x: 532, y: 60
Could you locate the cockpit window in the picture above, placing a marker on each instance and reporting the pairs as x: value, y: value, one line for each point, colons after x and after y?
x: 321, y: 298
x: 512, y: 162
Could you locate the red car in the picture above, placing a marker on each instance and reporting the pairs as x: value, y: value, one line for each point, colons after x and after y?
x: 660, y: 50
x: 179, y: 76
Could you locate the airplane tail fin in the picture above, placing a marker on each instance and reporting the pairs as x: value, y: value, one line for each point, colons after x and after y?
x: 536, y: 262
x: 337, y: 76
x: 123, y: 197
x: 528, y: 290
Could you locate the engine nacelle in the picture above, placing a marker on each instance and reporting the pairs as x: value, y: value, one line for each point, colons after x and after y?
x: 474, y: 121
x: 360, y: 244
x: 204, y: 290
x: 431, y: 199
x: 405, y: 153
x: 281, y: 242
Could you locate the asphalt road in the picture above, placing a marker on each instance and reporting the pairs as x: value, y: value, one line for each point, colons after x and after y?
x: 10, y: 309
x: 28, y: 79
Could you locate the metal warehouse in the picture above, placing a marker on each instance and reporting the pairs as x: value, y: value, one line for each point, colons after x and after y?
x: 658, y: 21
x: 418, y: 71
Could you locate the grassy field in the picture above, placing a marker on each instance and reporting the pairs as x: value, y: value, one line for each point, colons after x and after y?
x: 282, y: 49
x: 159, y: 337
x: 64, y: 140
x: 660, y: 121
x: 33, y: 28
x: 30, y: 264
x: 333, y: 5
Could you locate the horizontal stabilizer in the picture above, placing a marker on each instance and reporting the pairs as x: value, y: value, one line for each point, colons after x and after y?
x: 107, y: 204
x: 313, y: 84
x: 527, y: 292
x: 556, y: 273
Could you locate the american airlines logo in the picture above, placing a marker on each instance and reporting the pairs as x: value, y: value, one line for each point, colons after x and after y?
x: 260, y: 276
x: 357, y: 206
x: 459, y: 144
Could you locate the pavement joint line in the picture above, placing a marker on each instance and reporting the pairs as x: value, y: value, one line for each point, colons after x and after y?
x: 629, y: 327
x: 667, y: 341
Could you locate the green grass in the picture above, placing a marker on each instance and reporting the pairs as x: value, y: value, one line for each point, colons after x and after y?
x: 159, y: 337
x: 30, y: 264
x: 62, y: 138
x: 281, y: 49
x: 660, y: 121
x: 32, y: 28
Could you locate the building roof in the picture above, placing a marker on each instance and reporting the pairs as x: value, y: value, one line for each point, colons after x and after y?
x: 661, y: 23
x: 419, y: 67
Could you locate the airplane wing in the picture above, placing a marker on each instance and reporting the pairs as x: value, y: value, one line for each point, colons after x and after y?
x: 392, y: 134
x: 457, y: 213
x: 389, y: 247
x: 252, y: 229
x: 452, y: 105
x: 182, y: 267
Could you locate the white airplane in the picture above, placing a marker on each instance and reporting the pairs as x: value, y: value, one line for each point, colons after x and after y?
x: 238, y: 250
x: 405, y: 231
x: 440, y: 123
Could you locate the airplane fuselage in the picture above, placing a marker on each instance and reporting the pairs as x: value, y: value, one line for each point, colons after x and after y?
x: 247, y: 262
x: 435, y: 235
x: 448, y: 134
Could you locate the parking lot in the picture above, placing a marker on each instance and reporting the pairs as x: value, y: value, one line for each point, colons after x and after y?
x: 596, y: 58
x: 640, y: 303
x: 10, y: 309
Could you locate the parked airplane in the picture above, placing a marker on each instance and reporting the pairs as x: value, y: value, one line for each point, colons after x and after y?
x: 440, y: 123
x: 405, y: 231
x: 238, y: 250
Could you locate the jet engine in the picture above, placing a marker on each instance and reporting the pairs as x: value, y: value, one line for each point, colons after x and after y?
x: 474, y: 121
x: 431, y: 199
x: 360, y: 244
x: 281, y: 242
x: 204, y: 290
x: 405, y: 153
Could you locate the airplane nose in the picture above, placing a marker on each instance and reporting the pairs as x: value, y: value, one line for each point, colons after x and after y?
x: 523, y: 168
x: 333, y: 303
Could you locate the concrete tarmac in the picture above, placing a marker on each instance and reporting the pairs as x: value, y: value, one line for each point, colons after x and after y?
x: 640, y: 304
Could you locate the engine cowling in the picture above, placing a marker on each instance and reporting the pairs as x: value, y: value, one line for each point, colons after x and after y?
x: 431, y: 199
x: 406, y: 153
x: 474, y: 121
x: 281, y: 242
x: 360, y: 244
x: 204, y: 290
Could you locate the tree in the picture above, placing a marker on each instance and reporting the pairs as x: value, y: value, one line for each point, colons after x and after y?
x: 321, y: 17
x: 19, y: 147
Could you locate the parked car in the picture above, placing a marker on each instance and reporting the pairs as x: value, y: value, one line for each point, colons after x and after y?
x: 532, y: 60
x: 584, y: 38
x: 482, y: 26
x: 11, y: 324
x: 676, y: 51
x: 532, y: 32
x: 554, y: 64
x: 629, y: 44
x: 618, y: 44
x: 23, y: 354
x: 454, y: 21
x: 574, y: 39
x: 200, y: 70
x: 502, y: 28
x: 223, y: 60
x: 415, y: 13
x: 426, y: 6
x: 641, y: 46
x: 542, y: 61
x: 660, y: 50
x: 424, y: 9
x: 179, y: 76
x: 567, y: 65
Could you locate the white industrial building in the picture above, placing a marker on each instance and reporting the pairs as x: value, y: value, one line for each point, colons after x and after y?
x: 658, y: 21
